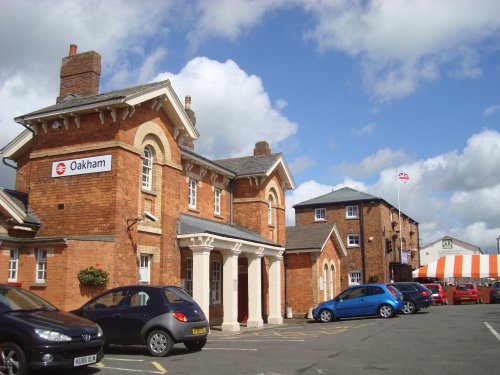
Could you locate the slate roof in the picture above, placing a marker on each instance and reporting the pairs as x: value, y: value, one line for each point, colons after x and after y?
x: 251, y: 165
x: 188, y: 151
x: 75, y: 101
x: 21, y: 200
x: 307, y: 237
x: 345, y: 194
x: 193, y: 224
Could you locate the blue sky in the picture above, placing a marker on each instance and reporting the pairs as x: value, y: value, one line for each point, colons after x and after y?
x: 349, y: 91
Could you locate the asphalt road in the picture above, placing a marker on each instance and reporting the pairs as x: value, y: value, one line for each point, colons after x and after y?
x: 447, y: 340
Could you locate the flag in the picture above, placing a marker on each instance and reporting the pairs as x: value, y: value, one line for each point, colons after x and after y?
x: 403, y: 177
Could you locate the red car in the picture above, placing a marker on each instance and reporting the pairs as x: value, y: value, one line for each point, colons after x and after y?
x: 466, y: 293
x: 438, y: 293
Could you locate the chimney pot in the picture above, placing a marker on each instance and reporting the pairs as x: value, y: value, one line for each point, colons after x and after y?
x: 187, y: 102
x: 72, y: 49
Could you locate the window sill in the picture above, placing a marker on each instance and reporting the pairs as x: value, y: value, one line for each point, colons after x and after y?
x: 193, y: 209
x: 218, y: 216
x: 352, y: 217
x: 353, y: 246
x: 319, y: 220
x: 149, y: 192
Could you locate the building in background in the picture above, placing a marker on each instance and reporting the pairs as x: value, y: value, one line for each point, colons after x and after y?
x: 354, y: 238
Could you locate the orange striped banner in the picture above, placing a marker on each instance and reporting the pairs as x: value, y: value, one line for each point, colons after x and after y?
x: 441, y: 262
x: 494, y: 265
x: 457, y: 269
x: 475, y: 266
x: 457, y: 266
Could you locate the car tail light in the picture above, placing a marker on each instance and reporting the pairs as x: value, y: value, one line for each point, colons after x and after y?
x: 181, y: 317
x: 425, y: 293
x: 393, y: 292
x: 492, y: 291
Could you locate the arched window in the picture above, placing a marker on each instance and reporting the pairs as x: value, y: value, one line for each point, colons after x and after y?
x: 325, y: 283
x: 147, y: 168
x: 270, y: 210
x: 332, y: 281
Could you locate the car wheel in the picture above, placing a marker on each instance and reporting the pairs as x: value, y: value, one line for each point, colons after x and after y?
x: 409, y: 308
x: 325, y: 316
x: 12, y: 359
x: 160, y: 343
x: 385, y: 311
x: 195, y: 346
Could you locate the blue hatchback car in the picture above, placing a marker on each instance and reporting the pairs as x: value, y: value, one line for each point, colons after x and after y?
x: 361, y: 300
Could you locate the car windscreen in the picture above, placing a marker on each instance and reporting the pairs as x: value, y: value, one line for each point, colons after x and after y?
x: 17, y: 299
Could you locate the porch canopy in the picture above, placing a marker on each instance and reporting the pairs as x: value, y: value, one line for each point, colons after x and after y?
x: 456, y: 266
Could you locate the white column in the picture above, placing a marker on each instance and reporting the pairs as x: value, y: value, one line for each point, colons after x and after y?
x: 275, y: 315
x: 254, y: 291
x: 201, y: 277
x: 230, y: 290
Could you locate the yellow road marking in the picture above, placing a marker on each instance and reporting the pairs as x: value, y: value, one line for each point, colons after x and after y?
x: 158, y: 366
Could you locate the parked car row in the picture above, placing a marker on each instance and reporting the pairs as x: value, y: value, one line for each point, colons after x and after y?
x: 384, y: 300
x: 35, y: 334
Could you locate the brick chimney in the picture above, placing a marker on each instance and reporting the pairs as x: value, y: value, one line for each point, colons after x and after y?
x: 187, y: 107
x: 261, y: 148
x: 80, y: 73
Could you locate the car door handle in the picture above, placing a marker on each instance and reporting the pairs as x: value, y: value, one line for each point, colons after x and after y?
x: 116, y: 315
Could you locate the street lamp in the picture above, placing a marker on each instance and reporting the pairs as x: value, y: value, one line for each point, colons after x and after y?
x: 498, y: 244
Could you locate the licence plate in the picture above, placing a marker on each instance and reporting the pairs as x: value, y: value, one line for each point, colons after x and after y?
x: 86, y: 360
x: 197, y: 331
x: 465, y: 297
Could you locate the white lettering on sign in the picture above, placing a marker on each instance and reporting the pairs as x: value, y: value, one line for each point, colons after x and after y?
x: 94, y: 164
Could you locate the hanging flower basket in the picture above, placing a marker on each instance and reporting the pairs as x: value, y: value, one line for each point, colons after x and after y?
x: 93, y: 276
x: 373, y: 279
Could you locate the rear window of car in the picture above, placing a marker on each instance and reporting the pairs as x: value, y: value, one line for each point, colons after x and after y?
x: 177, y: 295
x: 432, y: 288
x: 496, y: 285
x: 373, y: 290
x: 464, y: 287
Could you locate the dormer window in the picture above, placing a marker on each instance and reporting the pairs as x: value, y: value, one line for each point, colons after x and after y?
x: 320, y: 214
x: 147, y: 168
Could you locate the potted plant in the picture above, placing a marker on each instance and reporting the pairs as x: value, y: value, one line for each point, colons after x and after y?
x: 373, y: 279
x: 93, y: 275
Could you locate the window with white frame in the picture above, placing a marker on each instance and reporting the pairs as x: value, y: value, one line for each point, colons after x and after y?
x: 351, y: 212
x: 270, y: 210
x: 217, y: 201
x: 145, y: 269
x: 41, y: 265
x: 216, y: 281
x: 353, y: 240
x: 192, y: 193
x: 354, y: 278
x: 147, y: 168
x: 320, y: 214
x: 13, y: 264
x: 188, y: 286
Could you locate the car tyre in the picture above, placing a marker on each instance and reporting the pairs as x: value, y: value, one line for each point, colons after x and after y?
x: 195, y: 346
x: 386, y: 311
x: 160, y: 343
x: 409, y: 308
x: 12, y: 359
x: 325, y: 316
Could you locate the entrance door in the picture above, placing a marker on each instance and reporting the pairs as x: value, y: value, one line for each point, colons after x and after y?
x: 242, y: 297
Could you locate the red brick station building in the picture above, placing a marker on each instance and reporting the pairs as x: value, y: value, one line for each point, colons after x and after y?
x: 112, y: 180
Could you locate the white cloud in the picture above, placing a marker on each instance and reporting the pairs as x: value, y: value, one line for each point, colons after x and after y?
x: 232, y: 108
x: 373, y: 164
x: 455, y: 193
x: 404, y: 43
x: 301, y: 163
x: 491, y: 109
x: 229, y: 19
x: 363, y: 131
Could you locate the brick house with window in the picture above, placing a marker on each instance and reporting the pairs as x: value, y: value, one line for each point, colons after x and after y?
x: 113, y: 180
x: 352, y: 238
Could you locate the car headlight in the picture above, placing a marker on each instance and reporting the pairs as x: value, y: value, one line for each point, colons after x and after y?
x: 51, y: 335
x: 100, y: 333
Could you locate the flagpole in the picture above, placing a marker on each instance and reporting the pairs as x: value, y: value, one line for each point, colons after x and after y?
x: 400, y: 228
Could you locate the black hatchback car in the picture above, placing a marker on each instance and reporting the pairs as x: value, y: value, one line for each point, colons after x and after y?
x: 415, y: 295
x: 155, y: 316
x: 36, y: 335
x: 495, y: 292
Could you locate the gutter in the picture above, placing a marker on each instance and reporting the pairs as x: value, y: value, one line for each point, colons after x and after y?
x: 4, y: 160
